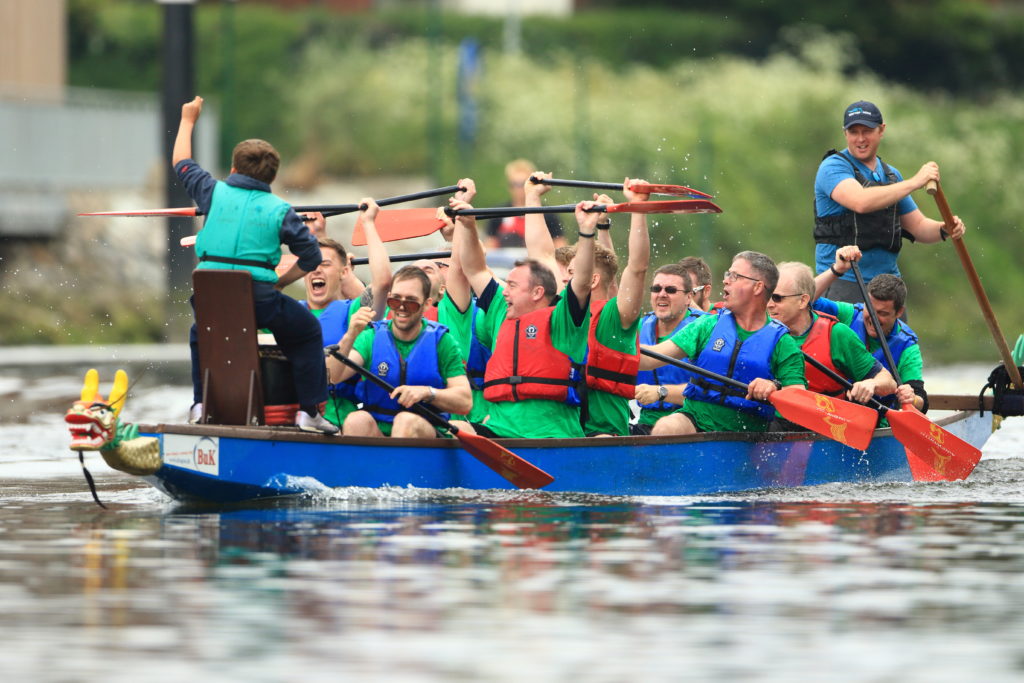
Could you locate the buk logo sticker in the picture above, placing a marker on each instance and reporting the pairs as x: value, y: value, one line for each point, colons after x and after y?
x: 718, y: 345
x: 382, y: 369
x: 531, y: 332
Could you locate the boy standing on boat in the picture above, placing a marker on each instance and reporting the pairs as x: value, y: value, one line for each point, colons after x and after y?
x: 659, y: 391
x: 859, y: 199
x: 244, y: 230
x: 826, y: 339
x: 535, y: 336
x: 415, y: 355
x: 741, y: 342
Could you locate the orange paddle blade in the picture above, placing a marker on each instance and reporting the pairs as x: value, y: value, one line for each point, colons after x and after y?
x: 400, y: 224
x: 188, y: 212
x: 666, y: 206
x: 944, y: 452
x: 515, y: 470
x: 850, y: 424
x: 674, y: 190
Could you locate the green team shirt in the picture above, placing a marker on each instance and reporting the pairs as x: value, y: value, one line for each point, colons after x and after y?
x: 787, y: 364
x: 460, y: 324
x: 535, y: 418
x: 911, y: 364
x: 849, y: 354
x: 338, y: 407
x: 609, y: 413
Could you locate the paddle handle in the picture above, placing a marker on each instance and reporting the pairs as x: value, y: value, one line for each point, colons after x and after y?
x: 693, y: 368
x: 935, y: 190
x: 337, y: 209
x: 363, y: 260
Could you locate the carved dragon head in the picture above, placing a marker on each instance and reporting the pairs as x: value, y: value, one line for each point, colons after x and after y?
x: 93, y: 421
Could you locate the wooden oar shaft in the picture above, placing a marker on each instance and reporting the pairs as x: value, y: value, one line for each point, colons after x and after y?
x: 935, y: 190
x: 363, y: 260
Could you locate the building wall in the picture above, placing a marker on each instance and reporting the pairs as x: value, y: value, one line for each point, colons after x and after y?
x: 33, y: 56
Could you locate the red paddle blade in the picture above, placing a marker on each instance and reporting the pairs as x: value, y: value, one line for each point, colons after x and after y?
x: 667, y: 206
x: 400, y: 224
x: 948, y: 454
x: 515, y: 470
x: 674, y: 190
x: 848, y: 423
x: 187, y: 212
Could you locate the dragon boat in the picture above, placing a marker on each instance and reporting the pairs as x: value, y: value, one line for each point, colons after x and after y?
x: 235, y: 455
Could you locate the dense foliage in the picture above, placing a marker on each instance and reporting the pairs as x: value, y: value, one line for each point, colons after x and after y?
x: 588, y: 97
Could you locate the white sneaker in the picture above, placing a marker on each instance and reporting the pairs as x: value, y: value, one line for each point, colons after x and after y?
x: 195, y: 413
x: 316, y: 423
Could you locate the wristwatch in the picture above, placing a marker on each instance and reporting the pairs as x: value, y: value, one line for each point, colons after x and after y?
x: 433, y: 395
x: 662, y: 392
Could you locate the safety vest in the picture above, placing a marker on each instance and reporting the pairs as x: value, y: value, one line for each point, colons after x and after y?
x: 818, y: 345
x: 333, y: 324
x: 608, y: 370
x: 743, y: 361
x: 879, y: 228
x: 242, y: 232
x: 525, y: 363
x: 419, y: 368
x: 900, y: 339
x: 667, y: 374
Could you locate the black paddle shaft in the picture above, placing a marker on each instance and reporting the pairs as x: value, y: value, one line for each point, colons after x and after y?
x: 694, y: 368
x: 338, y: 209
x: 847, y: 384
x: 427, y: 413
x: 363, y: 260
x: 575, y: 183
x: 870, y: 307
x: 504, y: 211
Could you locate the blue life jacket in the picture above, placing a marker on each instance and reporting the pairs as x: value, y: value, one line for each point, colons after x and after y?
x: 334, y: 324
x: 420, y: 368
x: 743, y: 361
x: 900, y: 339
x: 479, y: 354
x: 667, y: 374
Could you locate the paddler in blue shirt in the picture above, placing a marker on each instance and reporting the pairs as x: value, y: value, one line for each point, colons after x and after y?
x: 245, y: 227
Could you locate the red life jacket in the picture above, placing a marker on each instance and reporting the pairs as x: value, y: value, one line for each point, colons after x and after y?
x: 525, y: 363
x: 818, y: 345
x: 608, y: 370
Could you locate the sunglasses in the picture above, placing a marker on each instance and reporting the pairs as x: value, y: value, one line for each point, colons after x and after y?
x: 669, y: 289
x: 697, y: 290
x: 777, y: 298
x: 410, y: 305
x: 732, y: 276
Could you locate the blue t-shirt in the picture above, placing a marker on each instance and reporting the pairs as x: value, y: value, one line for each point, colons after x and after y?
x: 831, y: 172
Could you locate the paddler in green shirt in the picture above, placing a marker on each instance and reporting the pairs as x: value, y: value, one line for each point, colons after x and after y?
x: 534, y: 335
x: 741, y: 342
x: 612, y: 353
x: 826, y: 339
x: 888, y: 295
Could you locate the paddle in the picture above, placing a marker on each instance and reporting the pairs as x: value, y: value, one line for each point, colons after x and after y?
x: 519, y: 472
x: 402, y: 224
x: 326, y: 209
x: 935, y: 190
x: 431, y: 255
x: 848, y: 423
x: 948, y: 455
x: 638, y: 187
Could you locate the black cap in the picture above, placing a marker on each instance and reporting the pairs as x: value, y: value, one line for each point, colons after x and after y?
x: 863, y: 113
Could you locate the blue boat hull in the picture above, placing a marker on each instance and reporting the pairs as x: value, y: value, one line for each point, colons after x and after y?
x: 232, y: 464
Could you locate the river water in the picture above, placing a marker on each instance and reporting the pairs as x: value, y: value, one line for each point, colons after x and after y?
x: 894, y: 582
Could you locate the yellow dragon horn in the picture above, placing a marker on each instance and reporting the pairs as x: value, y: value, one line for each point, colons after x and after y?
x: 119, y: 392
x: 91, y: 385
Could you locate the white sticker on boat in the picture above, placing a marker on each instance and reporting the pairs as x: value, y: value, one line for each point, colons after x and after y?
x: 197, y: 453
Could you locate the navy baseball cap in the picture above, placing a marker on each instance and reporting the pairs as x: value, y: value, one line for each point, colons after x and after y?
x: 863, y: 113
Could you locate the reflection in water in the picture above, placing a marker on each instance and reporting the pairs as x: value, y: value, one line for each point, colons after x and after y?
x: 457, y: 586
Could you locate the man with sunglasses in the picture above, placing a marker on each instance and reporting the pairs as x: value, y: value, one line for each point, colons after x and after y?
x: 660, y: 391
x: 826, y: 340
x: 741, y: 342
x: 535, y: 336
x: 416, y: 356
